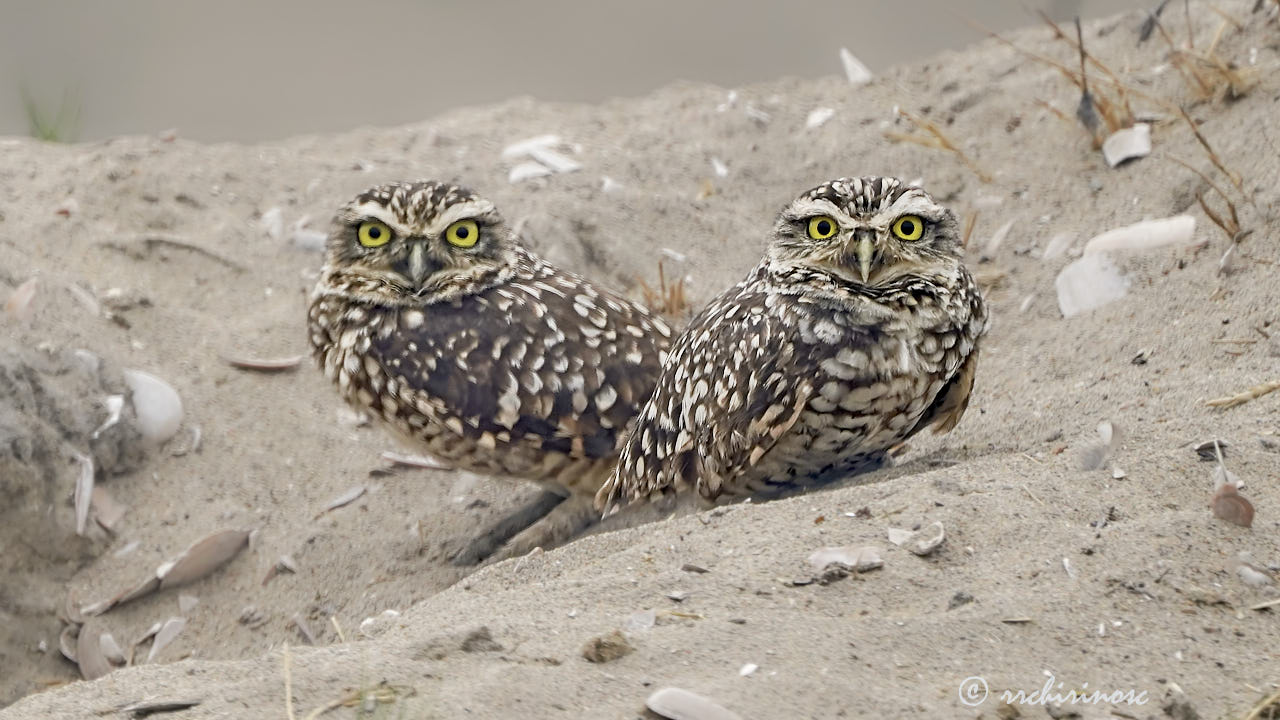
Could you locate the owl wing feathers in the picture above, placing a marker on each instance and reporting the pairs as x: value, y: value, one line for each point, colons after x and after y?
x: 547, y: 361
x: 733, y: 387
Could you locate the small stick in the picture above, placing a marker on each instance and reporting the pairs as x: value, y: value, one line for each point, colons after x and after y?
x: 288, y: 685
x: 1252, y: 393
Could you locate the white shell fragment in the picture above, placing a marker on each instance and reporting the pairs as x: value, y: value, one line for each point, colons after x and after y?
x: 719, y: 168
x: 308, y: 239
x: 114, y: 404
x: 926, y: 540
x: 818, y: 117
x: 1088, y: 283
x: 748, y: 670
x: 84, y: 491
x: 898, y: 536
x: 523, y: 147
x: 107, y: 511
x: 1127, y: 144
x: 854, y: 69
x: 345, y: 498
x: 89, y: 656
x: 272, y: 223
x: 527, y: 171
x: 1145, y: 235
x: 1058, y: 244
x: 418, y: 461
x: 275, y: 364
x: 640, y: 621
x: 678, y: 704
x: 157, y: 405
x: 111, y: 649
x: 202, y: 558
x: 856, y: 559
x: 187, y: 603
x: 996, y: 239
x: 168, y: 632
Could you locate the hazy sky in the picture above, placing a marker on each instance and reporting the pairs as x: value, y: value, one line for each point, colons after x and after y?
x: 250, y: 70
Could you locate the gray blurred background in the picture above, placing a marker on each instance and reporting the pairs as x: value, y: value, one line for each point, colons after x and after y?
x: 246, y: 70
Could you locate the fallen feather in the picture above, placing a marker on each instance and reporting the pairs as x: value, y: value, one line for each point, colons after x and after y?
x: 818, y: 117
x: 156, y: 404
x: 264, y: 364
x: 166, y: 635
x: 640, y: 621
x: 854, y: 69
x: 679, y: 704
x: 993, y: 244
x: 898, y: 536
x: 1145, y: 235
x: 1058, y: 244
x: 855, y: 559
x: 114, y: 404
x: 345, y: 498
x: 1089, y: 283
x: 522, y: 147
x: 554, y: 161
x: 1127, y: 144
x: 84, y: 491
x: 272, y: 223
x: 19, y: 302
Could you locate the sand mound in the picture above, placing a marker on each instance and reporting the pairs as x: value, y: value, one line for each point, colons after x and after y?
x: 1117, y: 576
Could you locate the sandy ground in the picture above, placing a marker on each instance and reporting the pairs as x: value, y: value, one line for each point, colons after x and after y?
x: 1123, y: 583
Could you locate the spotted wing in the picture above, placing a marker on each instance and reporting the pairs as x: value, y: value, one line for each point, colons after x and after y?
x: 734, y: 385
x: 546, y: 360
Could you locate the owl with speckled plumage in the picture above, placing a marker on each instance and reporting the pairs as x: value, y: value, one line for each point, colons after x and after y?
x: 858, y: 328
x: 431, y: 317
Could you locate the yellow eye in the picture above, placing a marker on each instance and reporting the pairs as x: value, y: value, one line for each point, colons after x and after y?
x: 822, y: 227
x: 908, y: 227
x: 463, y: 233
x: 373, y: 234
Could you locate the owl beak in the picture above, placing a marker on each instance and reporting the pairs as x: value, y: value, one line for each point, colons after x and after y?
x: 418, y: 265
x: 866, y: 252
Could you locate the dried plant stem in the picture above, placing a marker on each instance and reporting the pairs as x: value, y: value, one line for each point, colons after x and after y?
x: 288, y: 684
x: 1235, y: 178
x: 937, y: 140
x: 1269, y: 705
x: 1252, y: 393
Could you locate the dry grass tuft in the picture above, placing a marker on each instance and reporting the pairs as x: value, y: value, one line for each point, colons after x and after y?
x: 668, y: 300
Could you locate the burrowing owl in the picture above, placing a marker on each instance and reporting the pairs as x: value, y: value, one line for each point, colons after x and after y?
x: 430, y: 316
x: 858, y: 329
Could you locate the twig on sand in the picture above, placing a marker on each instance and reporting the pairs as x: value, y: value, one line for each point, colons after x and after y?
x: 936, y: 139
x: 1252, y: 393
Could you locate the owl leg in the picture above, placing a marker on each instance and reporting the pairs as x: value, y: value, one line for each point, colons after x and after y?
x: 561, y: 525
x: 482, y: 546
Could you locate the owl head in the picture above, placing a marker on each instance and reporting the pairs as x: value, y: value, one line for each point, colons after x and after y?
x: 418, y: 242
x: 866, y: 231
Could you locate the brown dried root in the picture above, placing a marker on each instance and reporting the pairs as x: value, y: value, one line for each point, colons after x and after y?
x: 936, y: 139
x: 667, y: 300
x: 1252, y: 393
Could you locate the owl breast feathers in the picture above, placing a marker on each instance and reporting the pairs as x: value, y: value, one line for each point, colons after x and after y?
x: 857, y: 329
x: 430, y: 316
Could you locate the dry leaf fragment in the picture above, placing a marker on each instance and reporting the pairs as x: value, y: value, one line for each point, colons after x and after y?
x: 1228, y: 504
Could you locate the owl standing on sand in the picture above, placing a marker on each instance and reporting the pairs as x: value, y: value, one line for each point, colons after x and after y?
x: 431, y: 317
x: 859, y: 328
